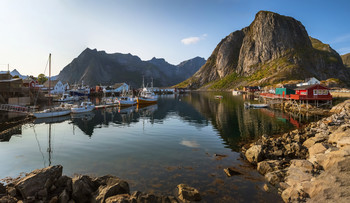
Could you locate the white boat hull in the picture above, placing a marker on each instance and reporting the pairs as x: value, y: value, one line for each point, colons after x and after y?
x: 51, y: 114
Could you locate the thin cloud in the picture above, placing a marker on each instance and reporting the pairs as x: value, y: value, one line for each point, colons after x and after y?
x: 341, y: 39
x: 344, y: 50
x: 193, y: 40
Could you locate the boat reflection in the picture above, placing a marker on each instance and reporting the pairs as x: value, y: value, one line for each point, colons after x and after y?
x: 48, y: 120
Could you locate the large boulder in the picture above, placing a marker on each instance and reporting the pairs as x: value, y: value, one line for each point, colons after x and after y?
x: 268, y: 166
x: 111, y: 186
x: 83, y: 189
x: 38, y: 180
x: 317, y: 148
x: 187, y: 193
x: 274, y: 177
x: 254, y: 154
x: 329, y: 159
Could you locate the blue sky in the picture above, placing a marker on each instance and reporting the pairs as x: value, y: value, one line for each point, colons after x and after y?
x: 176, y: 30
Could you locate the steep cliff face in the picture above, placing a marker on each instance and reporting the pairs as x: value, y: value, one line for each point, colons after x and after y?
x: 270, y: 37
x: 272, y: 49
x: 97, y: 67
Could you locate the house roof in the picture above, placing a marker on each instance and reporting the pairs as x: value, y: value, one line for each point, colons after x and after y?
x: 304, y: 87
x: 117, y: 85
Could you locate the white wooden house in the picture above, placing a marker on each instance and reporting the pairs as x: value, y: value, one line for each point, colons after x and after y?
x: 309, y: 81
x: 57, y: 87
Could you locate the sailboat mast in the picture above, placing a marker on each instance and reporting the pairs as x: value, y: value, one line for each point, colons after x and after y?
x: 49, y: 74
x: 50, y: 79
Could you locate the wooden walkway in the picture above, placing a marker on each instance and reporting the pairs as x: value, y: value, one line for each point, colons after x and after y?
x: 14, y: 108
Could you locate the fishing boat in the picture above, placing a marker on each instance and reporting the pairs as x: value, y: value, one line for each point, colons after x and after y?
x: 61, y: 110
x: 85, y: 106
x: 147, y: 95
x: 67, y: 98
x: 249, y: 105
x: 126, y: 101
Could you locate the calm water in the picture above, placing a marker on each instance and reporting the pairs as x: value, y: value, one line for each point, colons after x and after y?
x: 154, y: 148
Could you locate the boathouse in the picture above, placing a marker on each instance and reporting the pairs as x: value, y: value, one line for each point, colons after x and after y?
x: 317, y: 94
x: 312, y: 92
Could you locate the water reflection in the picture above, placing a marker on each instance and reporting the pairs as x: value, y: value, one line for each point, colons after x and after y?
x: 234, y: 123
x: 153, y: 147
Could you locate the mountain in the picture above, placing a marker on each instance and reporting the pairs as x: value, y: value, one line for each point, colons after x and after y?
x: 272, y: 49
x: 346, y: 59
x: 97, y: 67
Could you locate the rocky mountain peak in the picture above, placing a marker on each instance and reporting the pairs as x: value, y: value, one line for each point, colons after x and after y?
x: 272, y: 49
x: 269, y: 37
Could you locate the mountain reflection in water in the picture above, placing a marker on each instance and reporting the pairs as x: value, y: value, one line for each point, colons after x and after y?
x: 154, y: 147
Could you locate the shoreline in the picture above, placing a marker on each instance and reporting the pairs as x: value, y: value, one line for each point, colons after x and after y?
x: 311, y: 164
x: 49, y: 185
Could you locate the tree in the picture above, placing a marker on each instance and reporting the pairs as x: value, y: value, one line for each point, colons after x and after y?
x: 42, y: 78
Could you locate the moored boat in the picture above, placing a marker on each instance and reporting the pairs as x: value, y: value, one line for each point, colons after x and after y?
x: 147, y: 97
x: 249, y: 105
x: 53, y: 112
x: 62, y: 110
x: 83, y: 107
x: 67, y: 98
x: 126, y: 101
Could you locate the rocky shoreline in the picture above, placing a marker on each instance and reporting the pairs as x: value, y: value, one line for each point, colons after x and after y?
x: 310, y: 164
x: 49, y: 185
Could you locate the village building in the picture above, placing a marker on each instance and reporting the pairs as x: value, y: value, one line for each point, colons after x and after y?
x: 284, y: 91
x: 251, y: 89
x: 57, y: 87
x: 10, y: 87
x: 30, y: 83
x: 117, y: 88
x: 309, y: 81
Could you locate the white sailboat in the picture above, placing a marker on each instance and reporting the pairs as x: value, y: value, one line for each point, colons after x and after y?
x: 54, y: 111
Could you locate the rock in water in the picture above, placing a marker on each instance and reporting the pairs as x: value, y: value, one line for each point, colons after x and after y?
x: 231, y: 172
x: 254, y: 154
x: 38, y: 180
x: 187, y: 193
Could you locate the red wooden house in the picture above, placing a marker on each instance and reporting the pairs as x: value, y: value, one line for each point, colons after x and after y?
x: 315, y: 92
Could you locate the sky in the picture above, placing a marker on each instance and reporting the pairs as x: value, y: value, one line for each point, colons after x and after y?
x: 175, y: 30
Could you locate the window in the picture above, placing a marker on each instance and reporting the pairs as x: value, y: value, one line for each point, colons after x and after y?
x: 320, y: 92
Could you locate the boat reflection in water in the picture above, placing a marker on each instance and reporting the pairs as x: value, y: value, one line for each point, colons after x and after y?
x: 48, y: 120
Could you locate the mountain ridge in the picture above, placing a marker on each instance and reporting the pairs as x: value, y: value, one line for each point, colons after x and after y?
x: 98, y: 67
